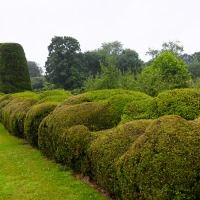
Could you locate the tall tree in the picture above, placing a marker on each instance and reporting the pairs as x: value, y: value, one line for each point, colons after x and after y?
x: 129, y: 60
x: 64, y: 65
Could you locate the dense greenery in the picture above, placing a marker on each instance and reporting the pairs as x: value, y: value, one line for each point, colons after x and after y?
x: 14, y: 73
x: 108, y: 136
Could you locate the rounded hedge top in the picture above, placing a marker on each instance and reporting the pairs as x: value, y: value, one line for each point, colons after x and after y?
x: 14, y: 73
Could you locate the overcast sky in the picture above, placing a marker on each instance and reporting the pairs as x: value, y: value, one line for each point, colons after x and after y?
x: 137, y: 24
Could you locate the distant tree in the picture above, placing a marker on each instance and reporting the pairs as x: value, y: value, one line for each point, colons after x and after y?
x: 34, y: 69
x: 129, y: 60
x: 173, y: 47
x: 37, y: 82
x: 112, y: 48
x: 109, y: 78
x: 14, y: 73
x: 166, y: 72
x: 64, y: 65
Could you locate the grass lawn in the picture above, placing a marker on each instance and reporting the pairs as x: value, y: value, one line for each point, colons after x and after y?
x: 26, y: 174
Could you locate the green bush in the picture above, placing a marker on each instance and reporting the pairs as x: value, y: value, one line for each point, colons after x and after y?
x: 107, y: 148
x: 33, y: 119
x: 14, y: 73
x: 76, y: 140
x: 182, y: 102
x: 14, y: 111
x: 163, y: 163
x: 129, y: 105
x: 56, y: 96
x: 95, y: 116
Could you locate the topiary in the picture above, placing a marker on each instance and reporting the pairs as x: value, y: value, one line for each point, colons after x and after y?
x: 163, y: 163
x: 14, y: 73
x: 182, y: 102
x: 33, y: 119
x: 95, y: 116
x: 107, y: 148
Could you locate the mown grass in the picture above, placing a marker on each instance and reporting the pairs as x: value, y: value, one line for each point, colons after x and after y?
x: 25, y: 174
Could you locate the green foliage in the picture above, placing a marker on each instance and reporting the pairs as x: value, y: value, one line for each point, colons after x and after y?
x: 108, y: 79
x: 107, y: 148
x: 14, y: 113
x: 34, y: 69
x: 194, y: 69
x: 37, y: 83
x: 163, y: 163
x: 56, y: 96
x: 33, y: 119
x: 166, y: 72
x: 64, y: 66
x: 182, y: 102
x: 173, y: 70
x: 14, y: 73
x: 94, y: 115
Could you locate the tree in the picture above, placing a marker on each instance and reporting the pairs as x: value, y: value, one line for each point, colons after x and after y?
x: 112, y: 48
x: 109, y: 78
x: 173, y: 47
x: 129, y: 60
x: 64, y: 65
x: 14, y: 73
x: 166, y: 72
x: 34, y: 69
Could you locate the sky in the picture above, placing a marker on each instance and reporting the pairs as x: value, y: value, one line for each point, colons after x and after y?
x: 137, y: 24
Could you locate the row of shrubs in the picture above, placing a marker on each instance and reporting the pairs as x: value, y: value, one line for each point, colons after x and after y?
x: 116, y: 137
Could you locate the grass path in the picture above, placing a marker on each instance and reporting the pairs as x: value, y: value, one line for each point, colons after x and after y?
x: 25, y: 174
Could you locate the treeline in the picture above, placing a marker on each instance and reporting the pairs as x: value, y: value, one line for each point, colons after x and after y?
x: 111, y: 66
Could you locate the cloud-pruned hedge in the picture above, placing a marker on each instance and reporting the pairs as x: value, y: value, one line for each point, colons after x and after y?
x: 107, y: 136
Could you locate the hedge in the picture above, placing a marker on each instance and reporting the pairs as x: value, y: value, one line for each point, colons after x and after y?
x: 182, y: 102
x: 33, y: 119
x: 107, y: 148
x: 95, y: 116
x: 163, y: 163
x: 14, y: 73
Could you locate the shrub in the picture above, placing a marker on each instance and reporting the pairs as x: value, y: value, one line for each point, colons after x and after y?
x: 108, y: 147
x: 163, y: 163
x: 76, y: 140
x: 95, y: 116
x: 13, y: 114
x: 14, y: 73
x: 182, y: 102
x: 33, y: 119
x: 56, y: 96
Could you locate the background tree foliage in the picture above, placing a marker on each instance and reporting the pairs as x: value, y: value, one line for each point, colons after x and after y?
x: 64, y: 66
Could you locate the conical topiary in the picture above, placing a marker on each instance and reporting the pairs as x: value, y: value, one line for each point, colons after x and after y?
x: 14, y: 73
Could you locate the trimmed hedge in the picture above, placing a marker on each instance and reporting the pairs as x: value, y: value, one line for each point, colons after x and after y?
x: 129, y: 105
x: 107, y: 148
x: 182, y: 102
x: 95, y: 116
x: 33, y: 119
x: 14, y: 73
x: 13, y: 111
x: 163, y: 163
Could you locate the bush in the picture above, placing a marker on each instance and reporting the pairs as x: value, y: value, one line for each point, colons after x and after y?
x: 14, y: 109
x: 33, y: 119
x: 182, y: 102
x: 56, y: 96
x: 163, y: 163
x: 95, y: 116
x: 14, y: 72
x: 107, y: 148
